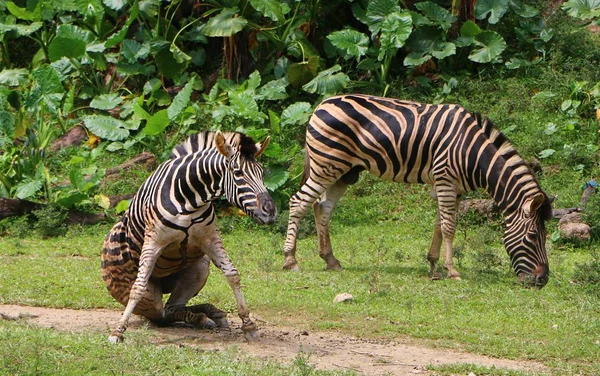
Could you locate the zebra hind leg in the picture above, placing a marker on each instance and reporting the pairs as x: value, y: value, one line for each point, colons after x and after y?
x: 189, y: 315
x: 299, y: 205
x: 323, y: 208
x: 184, y: 285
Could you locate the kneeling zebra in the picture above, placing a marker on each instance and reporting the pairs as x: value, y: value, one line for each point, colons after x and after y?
x: 165, y: 241
x: 445, y: 146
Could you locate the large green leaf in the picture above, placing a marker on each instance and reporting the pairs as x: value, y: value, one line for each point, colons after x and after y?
x: 23, y: 13
x: 47, y: 89
x: 168, y: 66
x: 244, y: 105
x: 300, y: 73
x: 132, y: 50
x: 14, y: 77
x: 296, y: 113
x: 157, y: 123
x: 106, y: 101
x: 20, y: 29
x: 523, y: 10
x: 395, y: 30
x: 469, y: 29
x: 70, y: 41
x: 582, y: 9
x: 437, y: 14
x: 351, y: 42
x: 106, y: 127
x: 181, y: 100
x: 275, y: 177
x: 426, y: 42
x: 273, y: 90
x: 28, y: 188
x: 90, y: 8
x: 272, y: 9
x: 488, y: 46
x: 224, y: 24
x: 328, y: 81
x: 495, y: 8
x: 378, y: 11
x: 115, y: 4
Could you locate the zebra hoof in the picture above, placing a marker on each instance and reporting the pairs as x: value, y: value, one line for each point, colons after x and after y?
x: 116, y: 338
x: 291, y: 267
x: 207, y: 324
x: 336, y: 267
x: 252, y: 335
x: 222, y: 323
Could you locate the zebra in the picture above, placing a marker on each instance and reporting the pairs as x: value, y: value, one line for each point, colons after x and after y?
x: 446, y: 146
x: 168, y: 236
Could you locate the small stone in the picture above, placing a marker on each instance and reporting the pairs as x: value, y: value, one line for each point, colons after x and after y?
x: 344, y: 297
x: 304, y: 333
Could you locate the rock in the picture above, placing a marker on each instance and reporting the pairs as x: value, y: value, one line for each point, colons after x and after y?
x: 482, y: 207
x: 344, y: 297
x: 572, y: 227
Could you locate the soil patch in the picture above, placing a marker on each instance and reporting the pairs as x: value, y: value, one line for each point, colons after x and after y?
x: 325, y: 350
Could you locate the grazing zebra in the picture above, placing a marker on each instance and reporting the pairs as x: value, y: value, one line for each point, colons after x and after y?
x: 167, y: 238
x: 445, y: 146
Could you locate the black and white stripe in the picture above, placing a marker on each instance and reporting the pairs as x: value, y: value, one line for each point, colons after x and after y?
x: 163, y: 242
x: 444, y: 145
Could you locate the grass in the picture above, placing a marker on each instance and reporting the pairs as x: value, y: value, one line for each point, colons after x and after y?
x: 380, y: 232
x: 381, y: 237
x: 28, y: 350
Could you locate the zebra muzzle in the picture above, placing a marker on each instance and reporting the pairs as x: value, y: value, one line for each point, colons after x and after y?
x: 266, y: 212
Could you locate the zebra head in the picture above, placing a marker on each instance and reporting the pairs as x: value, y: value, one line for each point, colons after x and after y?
x: 243, y: 178
x: 525, y: 240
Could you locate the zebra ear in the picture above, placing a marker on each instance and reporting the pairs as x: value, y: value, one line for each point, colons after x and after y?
x: 222, y: 146
x: 533, y: 204
x: 262, y: 147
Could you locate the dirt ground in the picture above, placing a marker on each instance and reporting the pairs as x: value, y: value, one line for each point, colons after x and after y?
x: 325, y: 350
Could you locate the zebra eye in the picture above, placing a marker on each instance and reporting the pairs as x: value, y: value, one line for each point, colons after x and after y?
x: 238, y: 173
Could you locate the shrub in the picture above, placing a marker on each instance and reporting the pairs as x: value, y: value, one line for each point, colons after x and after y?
x: 51, y: 221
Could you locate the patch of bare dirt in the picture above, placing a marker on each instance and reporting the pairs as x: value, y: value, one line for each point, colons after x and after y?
x: 325, y: 350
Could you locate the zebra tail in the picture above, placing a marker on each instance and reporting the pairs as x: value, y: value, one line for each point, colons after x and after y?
x: 306, y: 173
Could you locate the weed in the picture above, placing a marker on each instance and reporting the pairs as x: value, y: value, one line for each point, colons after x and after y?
x: 16, y: 226
x: 591, y: 216
x: 51, y: 221
x: 588, y: 273
x: 304, y: 368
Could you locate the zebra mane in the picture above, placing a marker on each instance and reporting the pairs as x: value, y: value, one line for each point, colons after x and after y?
x: 206, y: 140
x: 511, y: 157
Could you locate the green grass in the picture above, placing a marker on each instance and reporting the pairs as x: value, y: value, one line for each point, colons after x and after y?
x: 381, y: 238
x: 380, y: 232
x: 28, y: 350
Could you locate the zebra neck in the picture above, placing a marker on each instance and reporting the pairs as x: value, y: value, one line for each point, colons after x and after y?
x: 507, y: 179
x: 197, y: 180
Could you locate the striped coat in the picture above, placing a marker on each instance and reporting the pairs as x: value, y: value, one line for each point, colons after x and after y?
x: 446, y: 146
x: 167, y: 238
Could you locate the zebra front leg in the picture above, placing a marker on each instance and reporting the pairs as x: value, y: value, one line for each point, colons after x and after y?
x: 148, y: 257
x: 323, y: 208
x: 434, y: 250
x: 447, y: 198
x: 215, y: 250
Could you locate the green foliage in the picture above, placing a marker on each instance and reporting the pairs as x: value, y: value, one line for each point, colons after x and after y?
x: 591, y: 215
x: 50, y: 221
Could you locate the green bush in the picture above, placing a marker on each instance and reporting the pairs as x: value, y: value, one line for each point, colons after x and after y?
x: 51, y: 221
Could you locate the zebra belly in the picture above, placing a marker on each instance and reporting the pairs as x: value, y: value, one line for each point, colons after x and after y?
x: 184, y: 250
